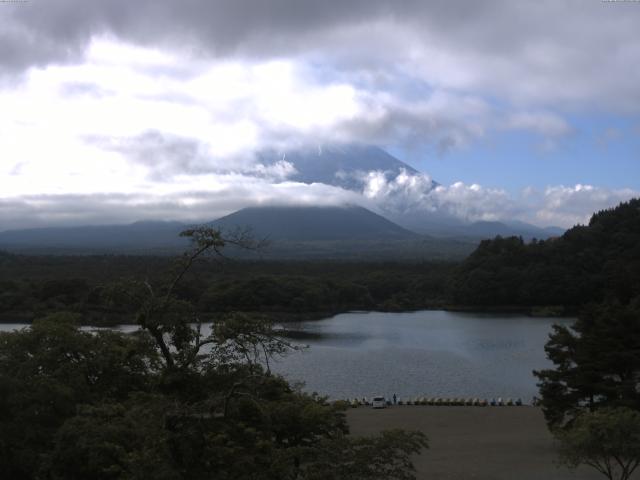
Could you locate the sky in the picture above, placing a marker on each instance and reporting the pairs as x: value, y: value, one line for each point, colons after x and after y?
x: 112, y: 112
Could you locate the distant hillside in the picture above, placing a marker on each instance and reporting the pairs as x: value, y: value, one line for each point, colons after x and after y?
x: 315, y: 224
x: 338, y: 233
x: 345, y: 233
x: 587, y: 263
x: 137, y: 237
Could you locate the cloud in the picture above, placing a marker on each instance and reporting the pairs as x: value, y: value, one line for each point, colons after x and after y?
x: 475, y: 202
x: 441, y: 119
x: 136, y: 105
x: 568, y: 206
x: 216, y: 196
x: 556, y: 206
x: 544, y: 123
x: 549, y: 127
x: 396, y: 196
x: 116, y: 126
x: 407, y: 193
x: 544, y: 53
x: 397, y: 193
x: 166, y: 156
x: 371, y: 71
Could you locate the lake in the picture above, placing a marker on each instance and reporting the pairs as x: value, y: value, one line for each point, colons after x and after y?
x: 430, y: 353
x: 425, y: 353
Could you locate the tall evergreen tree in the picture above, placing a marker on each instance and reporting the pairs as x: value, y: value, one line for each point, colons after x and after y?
x: 597, y: 363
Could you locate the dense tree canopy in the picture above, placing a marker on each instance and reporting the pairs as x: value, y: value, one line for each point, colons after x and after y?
x: 32, y: 286
x: 47, y: 371
x: 596, y: 363
x: 588, y: 263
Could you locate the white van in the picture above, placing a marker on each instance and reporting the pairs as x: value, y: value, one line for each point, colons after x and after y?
x: 379, y: 402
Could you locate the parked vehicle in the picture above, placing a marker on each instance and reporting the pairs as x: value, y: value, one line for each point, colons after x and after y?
x: 379, y: 402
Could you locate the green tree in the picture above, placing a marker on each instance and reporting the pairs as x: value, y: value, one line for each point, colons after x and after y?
x: 109, y: 441
x: 387, y: 457
x: 607, y: 440
x: 173, y: 400
x: 596, y: 363
x: 50, y: 369
x: 592, y: 263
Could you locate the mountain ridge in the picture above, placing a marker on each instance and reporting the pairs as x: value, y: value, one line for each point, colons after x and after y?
x: 313, y: 223
x: 279, y: 223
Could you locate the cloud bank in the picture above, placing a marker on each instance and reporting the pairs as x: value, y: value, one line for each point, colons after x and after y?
x: 545, y: 51
x: 221, y: 194
x: 121, y: 110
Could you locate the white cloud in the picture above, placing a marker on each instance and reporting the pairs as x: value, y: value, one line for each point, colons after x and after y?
x: 416, y: 193
x: 118, y: 127
x: 398, y: 193
x: 556, y: 206
x: 474, y: 202
x: 572, y: 205
x: 209, y: 196
x: 212, y: 197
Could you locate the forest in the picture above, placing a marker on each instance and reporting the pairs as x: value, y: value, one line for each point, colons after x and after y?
x: 589, y: 263
x: 31, y: 286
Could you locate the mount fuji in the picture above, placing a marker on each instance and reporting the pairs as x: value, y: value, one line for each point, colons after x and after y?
x: 394, y: 189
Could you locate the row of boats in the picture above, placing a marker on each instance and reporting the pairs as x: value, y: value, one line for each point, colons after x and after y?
x: 438, y: 401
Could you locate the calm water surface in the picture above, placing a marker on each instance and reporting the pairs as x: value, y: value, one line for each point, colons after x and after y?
x: 431, y: 353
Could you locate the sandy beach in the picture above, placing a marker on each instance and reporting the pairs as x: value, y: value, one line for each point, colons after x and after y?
x: 481, y: 443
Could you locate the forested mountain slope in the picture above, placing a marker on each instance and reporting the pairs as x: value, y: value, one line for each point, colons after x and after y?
x: 300, y: 223
x: 588, y: 263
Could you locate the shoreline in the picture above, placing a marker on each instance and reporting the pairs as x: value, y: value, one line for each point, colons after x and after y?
x: 293, y: 317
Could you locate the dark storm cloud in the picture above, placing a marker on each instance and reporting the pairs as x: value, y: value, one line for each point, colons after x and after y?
x: 529, y: 51
x: 37, y: 33
x: 229, y: 25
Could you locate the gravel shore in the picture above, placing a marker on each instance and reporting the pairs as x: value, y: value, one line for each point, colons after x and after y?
x: 480, y: 443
